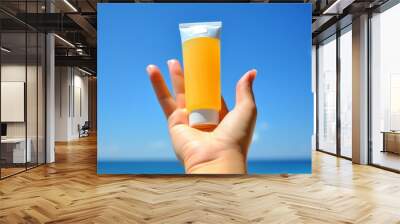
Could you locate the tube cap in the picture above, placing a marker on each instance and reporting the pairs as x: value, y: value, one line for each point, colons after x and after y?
x: 203, y: 117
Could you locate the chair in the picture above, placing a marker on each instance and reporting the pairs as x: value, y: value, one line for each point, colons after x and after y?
x: 84, y: 130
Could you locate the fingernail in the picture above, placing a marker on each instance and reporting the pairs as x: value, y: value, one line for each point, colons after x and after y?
x: 255, y: 73
x: 170, y: 61
x: 149, y: 67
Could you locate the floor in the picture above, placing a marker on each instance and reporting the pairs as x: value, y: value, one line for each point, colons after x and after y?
x: 5, y: 172
x: 70, y: 191
x: 10, y: 171
x: 388, y: 159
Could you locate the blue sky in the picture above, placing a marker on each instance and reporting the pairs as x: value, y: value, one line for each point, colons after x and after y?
x: 273, y: 38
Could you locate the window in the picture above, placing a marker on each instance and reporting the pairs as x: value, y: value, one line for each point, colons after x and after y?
x: 22, y: 88
x: 385, y: 88
x: 346, y: 92
x: 327, y: 95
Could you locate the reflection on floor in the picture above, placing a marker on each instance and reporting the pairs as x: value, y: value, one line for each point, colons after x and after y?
x: 11, y: 169
x: 347, y: 152
x: 70, y: 191
x: 386, y: 159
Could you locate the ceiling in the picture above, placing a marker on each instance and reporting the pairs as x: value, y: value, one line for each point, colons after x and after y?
x: 75, y: 23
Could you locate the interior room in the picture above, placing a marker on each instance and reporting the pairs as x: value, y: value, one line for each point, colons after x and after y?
x: 22, y: 101
x: 48, y: 150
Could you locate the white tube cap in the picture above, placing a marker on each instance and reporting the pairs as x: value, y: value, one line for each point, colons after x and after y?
x: 203, y: 117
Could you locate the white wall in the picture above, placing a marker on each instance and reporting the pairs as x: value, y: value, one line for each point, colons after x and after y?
x: 62, y: 82
x: 70, y: 83
x: 16, y: 72
x: 80, y: 84
x: 12, y: 73
x: 13, y: 101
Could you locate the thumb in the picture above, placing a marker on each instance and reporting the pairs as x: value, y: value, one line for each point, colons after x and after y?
x: 240, y: 122
x: 244, y: 89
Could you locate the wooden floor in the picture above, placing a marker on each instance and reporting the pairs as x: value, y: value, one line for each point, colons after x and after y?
x: 5, y: 172
x: 387, y: 159
x: 70, y: 191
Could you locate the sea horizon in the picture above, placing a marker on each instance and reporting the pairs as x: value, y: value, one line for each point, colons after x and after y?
x: 292, y: 166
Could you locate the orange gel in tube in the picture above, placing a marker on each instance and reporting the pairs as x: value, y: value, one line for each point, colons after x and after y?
x: 202, y: 66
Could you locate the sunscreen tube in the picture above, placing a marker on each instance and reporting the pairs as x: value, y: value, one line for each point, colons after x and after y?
x: 202, y: 66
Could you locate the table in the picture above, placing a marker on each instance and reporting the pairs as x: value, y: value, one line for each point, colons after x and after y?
x: 19, y: 155
x: 391, y: 141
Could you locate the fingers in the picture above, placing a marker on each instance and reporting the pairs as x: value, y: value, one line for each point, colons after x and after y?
x: 176, y: 73
x: 179, y: 116
x: 160, y: 88
x: 224, y: 109
x: 244, y: 89
x: 239, y: 123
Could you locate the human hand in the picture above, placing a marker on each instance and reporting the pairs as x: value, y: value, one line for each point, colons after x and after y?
x: 222, y: 150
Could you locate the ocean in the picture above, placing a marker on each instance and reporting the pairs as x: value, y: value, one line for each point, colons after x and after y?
x: 175, y: 167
